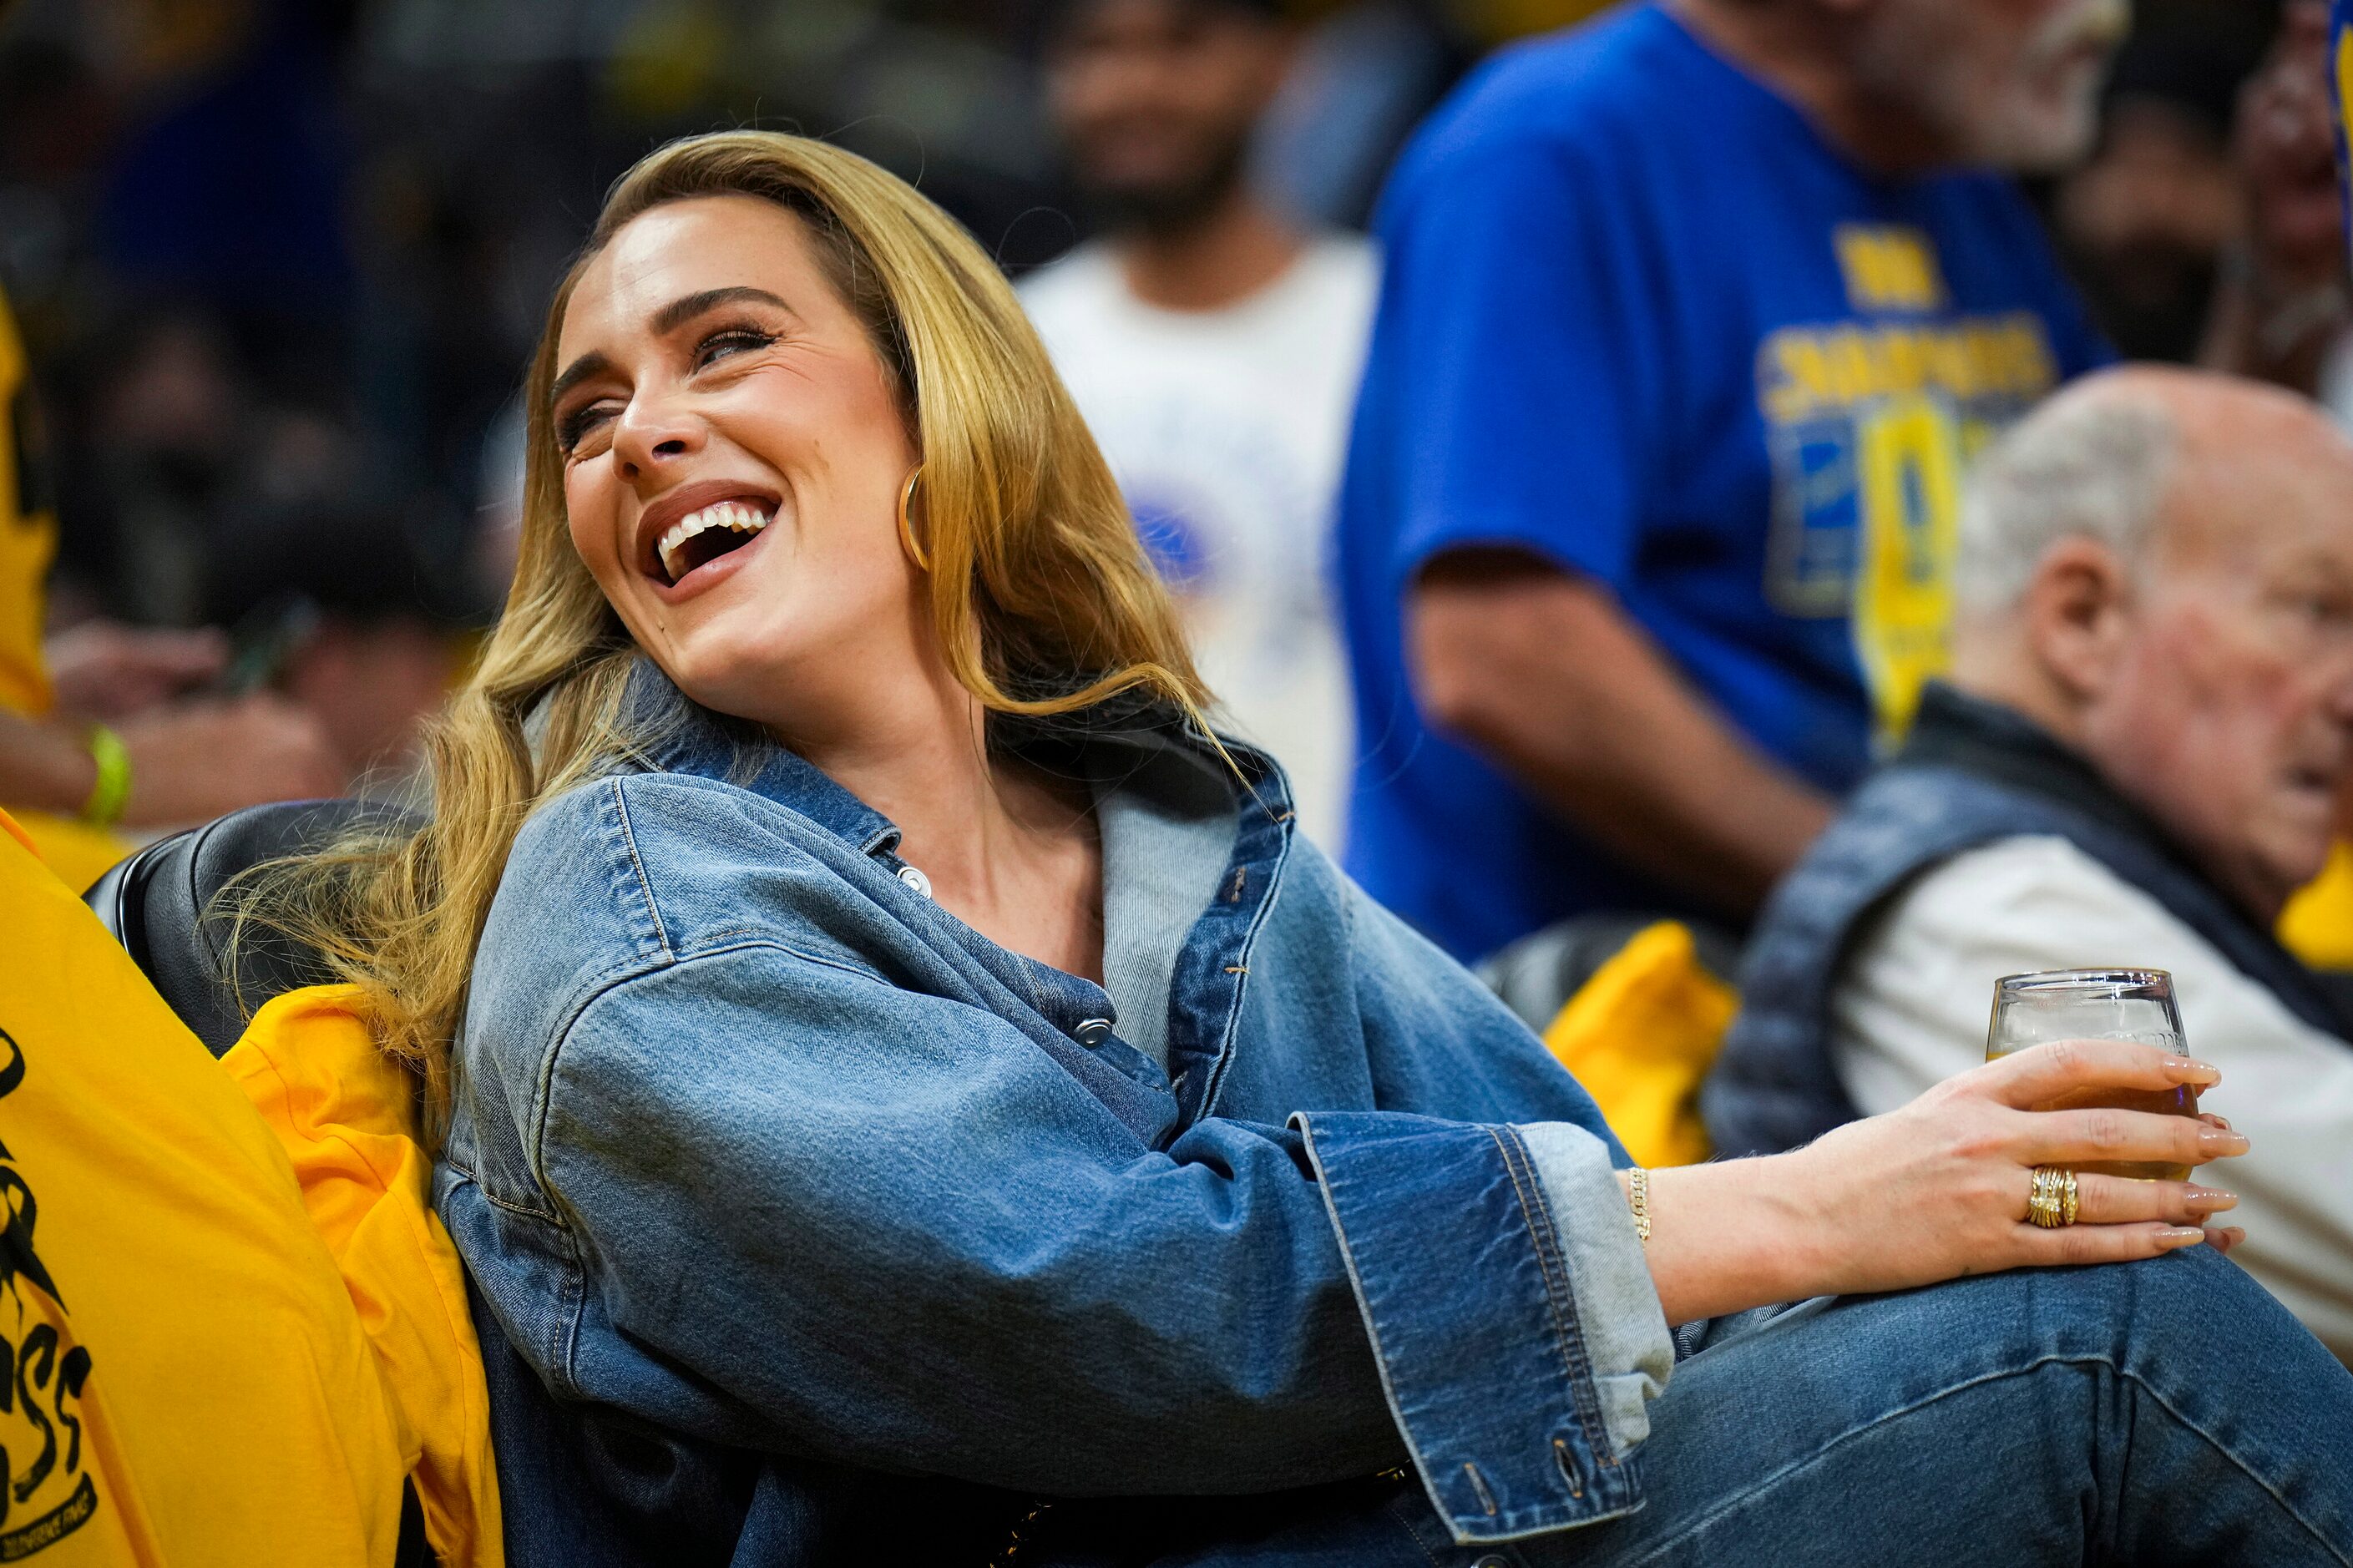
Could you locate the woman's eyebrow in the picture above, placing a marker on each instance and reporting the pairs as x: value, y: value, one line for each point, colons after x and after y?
x: 584, y: 367
x: 680, y: 311
x: 667, y: 320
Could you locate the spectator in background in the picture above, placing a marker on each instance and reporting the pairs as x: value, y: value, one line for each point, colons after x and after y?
x: 2158, y: 216
x: 2146, y: 224
x: 1213, y: 346
x: 340, y: 612
x: 1693, y: 316
x: 2151, y: 710
x: 176, y: 426
x: 1687, y: 333
x: 163, y: 762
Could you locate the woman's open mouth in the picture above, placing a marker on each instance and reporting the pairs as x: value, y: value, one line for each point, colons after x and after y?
x: 698, y: 539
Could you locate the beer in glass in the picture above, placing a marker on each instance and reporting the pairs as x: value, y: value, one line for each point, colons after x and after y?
x: 2134, y: 1005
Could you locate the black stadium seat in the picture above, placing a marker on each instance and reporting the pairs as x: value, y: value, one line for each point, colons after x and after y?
x: 154, y: 903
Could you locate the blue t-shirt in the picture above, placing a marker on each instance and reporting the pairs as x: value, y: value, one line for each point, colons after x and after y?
x: 1640, y: 319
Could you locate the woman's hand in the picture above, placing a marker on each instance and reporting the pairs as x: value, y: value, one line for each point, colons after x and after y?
x: 1939, y: 1188
x: 106, y: 672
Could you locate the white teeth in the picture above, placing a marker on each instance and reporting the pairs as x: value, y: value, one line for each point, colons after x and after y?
x: 729, y: 514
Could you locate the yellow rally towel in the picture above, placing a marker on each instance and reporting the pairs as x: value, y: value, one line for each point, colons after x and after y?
x: 1640, y: 1036
x: 2317, y: 925
x: 190, y: 1385
x: 346, y: 1116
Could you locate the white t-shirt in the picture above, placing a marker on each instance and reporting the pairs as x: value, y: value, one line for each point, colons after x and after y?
x: 1227, y: 429
x: 1916, y: 990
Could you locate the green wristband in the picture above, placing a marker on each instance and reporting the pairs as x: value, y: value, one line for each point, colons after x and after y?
x: 113, y: 791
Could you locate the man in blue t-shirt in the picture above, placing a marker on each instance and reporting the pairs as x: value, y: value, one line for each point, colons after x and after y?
x: 1693, y: 316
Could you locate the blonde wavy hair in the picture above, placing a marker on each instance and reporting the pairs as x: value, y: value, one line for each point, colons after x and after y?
x: 1042, y: 596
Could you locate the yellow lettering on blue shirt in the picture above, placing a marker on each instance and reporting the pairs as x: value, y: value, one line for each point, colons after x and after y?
x: 1888, y: 267
x: 1871, y: 422
x: 1808, y: 373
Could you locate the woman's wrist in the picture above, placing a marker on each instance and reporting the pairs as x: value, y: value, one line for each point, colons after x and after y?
x: 1732, y: 1235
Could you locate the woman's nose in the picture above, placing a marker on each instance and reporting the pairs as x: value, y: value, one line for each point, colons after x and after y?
x: 652, y: 437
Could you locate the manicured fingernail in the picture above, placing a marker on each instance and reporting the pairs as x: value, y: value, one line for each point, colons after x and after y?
x: 2222, y: 1141
x: 2187, y: 1068
x: 2181, y: 1235
x: 2212, y: 1199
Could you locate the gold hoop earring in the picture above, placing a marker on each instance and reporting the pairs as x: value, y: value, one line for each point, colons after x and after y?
x: 906, y: 525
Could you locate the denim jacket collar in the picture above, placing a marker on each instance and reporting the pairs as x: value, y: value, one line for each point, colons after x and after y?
x: 688, y: 738
x: 684, y: 737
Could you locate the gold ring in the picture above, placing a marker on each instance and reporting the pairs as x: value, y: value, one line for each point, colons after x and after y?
x: 2053, y: 1200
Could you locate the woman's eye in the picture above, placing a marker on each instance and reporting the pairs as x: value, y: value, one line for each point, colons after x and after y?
x: 574, y: 427
x: 733, y: 340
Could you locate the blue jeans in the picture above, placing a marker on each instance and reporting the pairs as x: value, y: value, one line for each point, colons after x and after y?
x: 2158, y: 1412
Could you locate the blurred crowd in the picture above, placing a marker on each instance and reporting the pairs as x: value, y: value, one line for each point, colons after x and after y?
x: 276, y: 265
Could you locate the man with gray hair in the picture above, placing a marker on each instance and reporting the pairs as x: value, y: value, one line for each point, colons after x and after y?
x: 2135, y: 762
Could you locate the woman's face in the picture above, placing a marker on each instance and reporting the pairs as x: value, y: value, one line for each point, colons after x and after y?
x: 732, y: 458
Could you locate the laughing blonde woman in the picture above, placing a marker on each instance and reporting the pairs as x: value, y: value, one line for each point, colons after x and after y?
x: 911, y: 1095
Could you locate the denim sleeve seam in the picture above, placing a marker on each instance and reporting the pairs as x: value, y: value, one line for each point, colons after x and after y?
x: 733, y: 939
x: 638, y: 865
x: 576, y: 1307
x: 612, y: 977
x: 572, y: 1304
x: 748, y: 937
x: 1559, y: 1292
x: 491, y: 1198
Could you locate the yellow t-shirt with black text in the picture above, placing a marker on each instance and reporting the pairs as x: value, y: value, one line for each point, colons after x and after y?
x: 189, y: 1379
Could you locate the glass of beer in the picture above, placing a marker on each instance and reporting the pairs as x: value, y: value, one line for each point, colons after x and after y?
x: 2134, y: 1005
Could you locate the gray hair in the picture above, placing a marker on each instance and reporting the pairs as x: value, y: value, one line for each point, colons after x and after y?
x: 2083, y: 466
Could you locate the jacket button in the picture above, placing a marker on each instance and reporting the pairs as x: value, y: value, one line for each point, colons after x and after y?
x: 1491, y: 1561
x: 916, y: 880
x: 1093, y: 1032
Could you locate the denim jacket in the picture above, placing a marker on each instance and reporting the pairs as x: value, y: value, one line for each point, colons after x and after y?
x: 753, y: 1141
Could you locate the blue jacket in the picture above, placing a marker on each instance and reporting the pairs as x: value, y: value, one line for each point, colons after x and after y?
x: 761, y: 1152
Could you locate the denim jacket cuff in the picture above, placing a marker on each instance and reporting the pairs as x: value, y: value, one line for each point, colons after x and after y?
x: 1626, y: 1335
x: 1464, y: 1267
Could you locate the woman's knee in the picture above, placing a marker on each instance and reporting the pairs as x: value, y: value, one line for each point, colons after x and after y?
x: 2154, y: 1320
x: 2169, y: 1313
